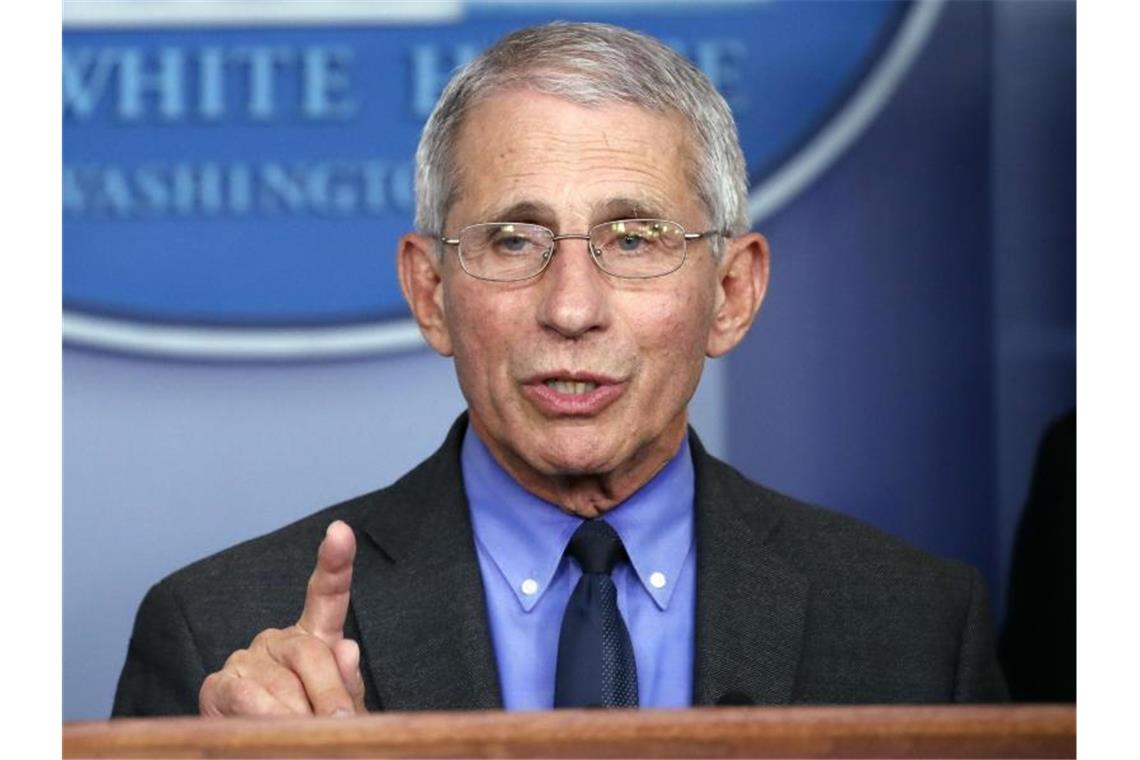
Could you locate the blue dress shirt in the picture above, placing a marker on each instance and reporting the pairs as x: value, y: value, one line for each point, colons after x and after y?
x: 520, y: 540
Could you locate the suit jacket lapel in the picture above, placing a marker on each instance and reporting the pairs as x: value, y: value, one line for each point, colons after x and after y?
x: 417, y: 595
x: 751, y: 605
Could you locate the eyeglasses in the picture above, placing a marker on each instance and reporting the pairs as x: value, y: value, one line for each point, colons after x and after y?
x: 636, y: 249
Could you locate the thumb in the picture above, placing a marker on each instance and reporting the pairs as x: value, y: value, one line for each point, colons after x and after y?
x: 326, y: 598
x: 347, y: 655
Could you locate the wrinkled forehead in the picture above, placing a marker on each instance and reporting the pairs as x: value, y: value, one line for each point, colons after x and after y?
x: 517, y: 149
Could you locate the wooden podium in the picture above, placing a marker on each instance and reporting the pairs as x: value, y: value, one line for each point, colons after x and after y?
x: 845, y: 732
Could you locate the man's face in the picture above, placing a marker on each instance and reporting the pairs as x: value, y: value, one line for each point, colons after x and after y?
x: 576, y: 376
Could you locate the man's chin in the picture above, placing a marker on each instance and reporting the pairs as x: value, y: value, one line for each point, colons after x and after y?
x: 587, y: 510
x: 571, y: 466
x: 580, y: 450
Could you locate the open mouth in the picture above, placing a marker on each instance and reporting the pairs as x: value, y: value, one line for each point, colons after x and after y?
x: 571, y: 387
x: 575, y: 394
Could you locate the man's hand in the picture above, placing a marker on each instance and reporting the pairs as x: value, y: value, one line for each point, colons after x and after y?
x: 308, y: 668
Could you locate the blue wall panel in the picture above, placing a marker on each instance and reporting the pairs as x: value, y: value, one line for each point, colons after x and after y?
x: 871, y: 365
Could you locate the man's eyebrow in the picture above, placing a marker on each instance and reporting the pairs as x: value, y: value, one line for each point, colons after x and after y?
x: 627, y: 208
x: 537, y: 212
x: 523, y: 211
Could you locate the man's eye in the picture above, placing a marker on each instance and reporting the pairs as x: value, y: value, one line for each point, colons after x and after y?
x: 513, y: 244
x: 630, y: 243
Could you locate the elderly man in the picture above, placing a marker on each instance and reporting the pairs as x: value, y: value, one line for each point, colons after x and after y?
x: 583, y: 245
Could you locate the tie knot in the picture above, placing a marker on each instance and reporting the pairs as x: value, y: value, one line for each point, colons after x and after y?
x: 596, y: 546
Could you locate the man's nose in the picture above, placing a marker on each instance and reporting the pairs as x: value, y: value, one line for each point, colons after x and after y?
x: 575, y: 294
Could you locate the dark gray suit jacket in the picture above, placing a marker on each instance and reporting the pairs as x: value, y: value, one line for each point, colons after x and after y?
x: 794, y: 604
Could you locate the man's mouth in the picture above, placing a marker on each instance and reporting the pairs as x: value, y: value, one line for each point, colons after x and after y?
x: 573, y: 393
x: 571, y: 387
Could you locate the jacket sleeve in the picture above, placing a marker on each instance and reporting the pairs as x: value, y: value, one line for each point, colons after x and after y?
x: 164, y: 669
x: 979, y: 677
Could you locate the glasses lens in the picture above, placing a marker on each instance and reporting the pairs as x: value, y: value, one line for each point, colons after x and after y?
x: 639, y: 247
x: 504, y: 251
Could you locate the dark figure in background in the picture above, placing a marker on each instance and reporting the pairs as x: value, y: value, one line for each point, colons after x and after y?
x: 1038, y: 647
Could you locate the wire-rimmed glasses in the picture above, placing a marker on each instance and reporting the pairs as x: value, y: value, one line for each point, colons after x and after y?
x: 628, y: 248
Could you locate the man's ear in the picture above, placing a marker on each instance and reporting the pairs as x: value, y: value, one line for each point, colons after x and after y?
x: 742, y: 280
x: 420, y: 269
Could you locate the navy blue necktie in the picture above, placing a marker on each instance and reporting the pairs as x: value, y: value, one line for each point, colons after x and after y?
x: 596, y: 667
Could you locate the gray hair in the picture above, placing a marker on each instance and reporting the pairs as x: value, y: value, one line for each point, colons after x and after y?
x: 590, y: 64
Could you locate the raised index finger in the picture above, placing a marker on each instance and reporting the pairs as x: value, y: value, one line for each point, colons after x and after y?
x: 326, y: 598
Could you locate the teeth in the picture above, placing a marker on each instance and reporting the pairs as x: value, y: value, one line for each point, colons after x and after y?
x: 571, y: 387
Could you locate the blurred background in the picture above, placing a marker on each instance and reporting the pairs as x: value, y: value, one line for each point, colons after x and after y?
x: 236, y: 353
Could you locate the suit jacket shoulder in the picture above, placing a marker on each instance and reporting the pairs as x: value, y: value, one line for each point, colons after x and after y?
x: 800, y: 604
x: 192, y: 620
x: 416, y: 597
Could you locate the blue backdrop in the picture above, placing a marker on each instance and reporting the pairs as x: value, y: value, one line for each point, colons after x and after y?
x: 244, y: 182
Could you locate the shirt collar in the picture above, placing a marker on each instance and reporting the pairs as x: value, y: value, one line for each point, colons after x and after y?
x: 656, y: 526
x: 526, y: 536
